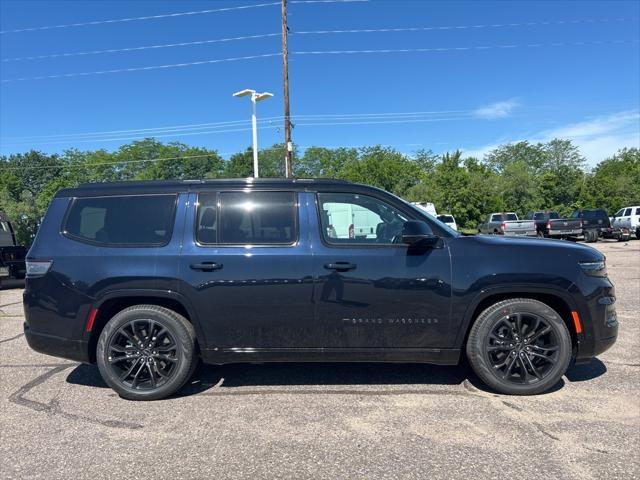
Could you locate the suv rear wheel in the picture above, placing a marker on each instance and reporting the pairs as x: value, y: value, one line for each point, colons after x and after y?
x: 146, y: 352
x: 519, y: 346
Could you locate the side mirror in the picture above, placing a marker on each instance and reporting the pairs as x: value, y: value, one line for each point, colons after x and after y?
x: 416, y: 232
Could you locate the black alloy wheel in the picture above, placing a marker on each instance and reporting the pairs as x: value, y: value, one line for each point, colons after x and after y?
x: 519, y: 346
x: 522, y: 348
x: 147, y: 352
x: 142, y: 354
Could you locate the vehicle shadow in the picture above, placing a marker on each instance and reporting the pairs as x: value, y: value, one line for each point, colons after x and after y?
x: 587, y: 371
x: 301, y: 378
x: 282, y: 377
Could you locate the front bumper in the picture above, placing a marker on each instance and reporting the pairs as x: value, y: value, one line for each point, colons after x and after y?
x: 598, y: 316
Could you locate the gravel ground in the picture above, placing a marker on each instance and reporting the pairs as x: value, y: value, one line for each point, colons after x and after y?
x: 59, y: 420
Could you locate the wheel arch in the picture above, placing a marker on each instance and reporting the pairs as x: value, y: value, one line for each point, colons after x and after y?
x: 110, y: 304
x: 557, y: 299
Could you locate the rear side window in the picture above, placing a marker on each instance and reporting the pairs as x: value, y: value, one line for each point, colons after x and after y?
x: 132, y: 220
x: 627, y: 212
x: 638, y: 211
x: 257, y: 218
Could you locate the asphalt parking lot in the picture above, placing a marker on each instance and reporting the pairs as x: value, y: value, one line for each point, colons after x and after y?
x: 59, y: 420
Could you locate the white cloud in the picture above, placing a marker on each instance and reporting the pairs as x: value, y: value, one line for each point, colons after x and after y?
x: 597, y: 138
x: 496, y: 110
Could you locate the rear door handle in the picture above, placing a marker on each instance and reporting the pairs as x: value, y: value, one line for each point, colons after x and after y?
x: 206, y: 266
x: 340, y: 266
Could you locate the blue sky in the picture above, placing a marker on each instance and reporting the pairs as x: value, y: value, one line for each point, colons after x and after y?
x: 489, y: 73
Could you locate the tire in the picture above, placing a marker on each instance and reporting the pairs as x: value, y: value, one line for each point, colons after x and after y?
x: 155, y: 370
x: 549, y: 354
x: 638, y: 233
x: 540, y: 234
x: 590, y: 236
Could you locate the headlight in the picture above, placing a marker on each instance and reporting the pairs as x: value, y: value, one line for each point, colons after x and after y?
x: 594, y: 269
x: 37, y: 269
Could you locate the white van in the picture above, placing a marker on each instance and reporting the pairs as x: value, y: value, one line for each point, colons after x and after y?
x: 428, y: 207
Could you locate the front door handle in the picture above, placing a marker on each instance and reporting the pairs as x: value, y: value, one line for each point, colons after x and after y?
x: 206, y: 266
x: 340, y: 266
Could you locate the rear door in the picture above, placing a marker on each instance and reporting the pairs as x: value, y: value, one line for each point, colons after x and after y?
x: 246, y: 267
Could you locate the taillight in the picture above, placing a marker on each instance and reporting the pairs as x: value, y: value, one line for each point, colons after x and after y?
x: 351, y: 231
x: 37, y: 269
x: 549, y: 225
x: 502, y: 227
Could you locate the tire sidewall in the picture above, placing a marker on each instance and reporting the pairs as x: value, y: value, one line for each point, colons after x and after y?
x: 479, y: 357
x: 185, y: 353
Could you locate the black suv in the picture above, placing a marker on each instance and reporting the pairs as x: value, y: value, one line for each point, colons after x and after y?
x: 146, y: 278
x: 597, y: 224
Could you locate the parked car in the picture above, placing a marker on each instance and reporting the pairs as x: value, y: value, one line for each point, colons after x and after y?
x: 250, y: 271
x: 448, y: 220
x: 12, y: 264
x: 507, y: 224
x: 628, y: 217
x: 428, y: 207
x: 596, y: 224
x: 550, y: 224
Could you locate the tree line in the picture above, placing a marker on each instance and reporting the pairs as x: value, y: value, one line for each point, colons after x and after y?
x: 516, y: 177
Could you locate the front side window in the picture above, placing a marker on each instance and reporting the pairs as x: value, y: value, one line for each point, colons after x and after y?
x: 257, y: 218
x: 347, y: 218
x: 120, y: 221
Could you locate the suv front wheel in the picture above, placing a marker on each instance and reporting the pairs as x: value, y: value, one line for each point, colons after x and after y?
x: 519, y: 346
x: 146, y: 352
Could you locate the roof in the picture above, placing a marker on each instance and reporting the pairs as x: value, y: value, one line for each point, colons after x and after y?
x: 166, y: 186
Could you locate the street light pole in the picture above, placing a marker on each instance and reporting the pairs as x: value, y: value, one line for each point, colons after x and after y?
x: 255, y: 98
x: 254, y: 129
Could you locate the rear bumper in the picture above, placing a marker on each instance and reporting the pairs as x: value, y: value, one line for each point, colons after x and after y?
x: 565, y: 233
x: 77, y: 350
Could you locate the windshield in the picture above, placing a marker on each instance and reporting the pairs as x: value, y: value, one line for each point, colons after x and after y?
x: 504, y: 217
x: 546, y: 216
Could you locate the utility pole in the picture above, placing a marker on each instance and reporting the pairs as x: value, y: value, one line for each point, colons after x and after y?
x: 288, y: 146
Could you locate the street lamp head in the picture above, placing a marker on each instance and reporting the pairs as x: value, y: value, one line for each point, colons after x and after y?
x: 244, y: 93
x: 263, y: 96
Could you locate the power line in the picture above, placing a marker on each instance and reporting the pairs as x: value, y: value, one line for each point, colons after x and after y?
x: 148, y: 130
x: 459, y: 27
x: 229, y: 123
x: 169, y: 15
x: 138, y: 137
x: 310, y: 32
x: 137, y: 69
x: 147, y: 17
x: 449, y: 49
x: 145, y: 47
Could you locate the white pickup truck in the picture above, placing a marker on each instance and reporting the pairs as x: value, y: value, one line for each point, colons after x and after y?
x: 628, y: 217
x: 507, y: 223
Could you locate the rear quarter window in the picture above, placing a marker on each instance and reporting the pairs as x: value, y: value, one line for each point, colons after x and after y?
x: 132, y: 220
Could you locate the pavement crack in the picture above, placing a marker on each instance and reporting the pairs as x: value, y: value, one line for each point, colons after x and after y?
x: 542, y: 430
x: 53, y: 407
x: 12, y: 338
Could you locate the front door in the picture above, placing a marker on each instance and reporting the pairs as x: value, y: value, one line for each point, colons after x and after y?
x: 373, y: 291
x: 247, y: 270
